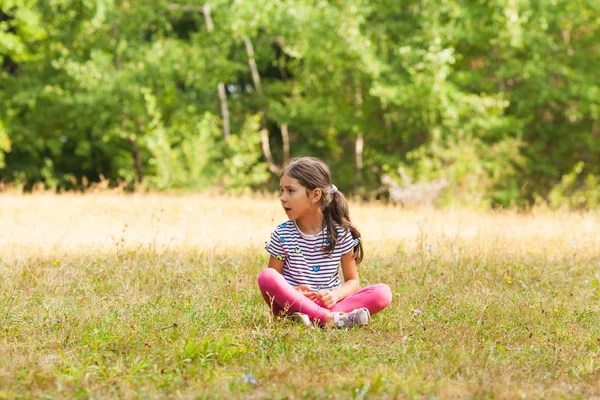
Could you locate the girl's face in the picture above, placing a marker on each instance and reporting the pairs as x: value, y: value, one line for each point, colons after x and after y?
x: 296, y: 200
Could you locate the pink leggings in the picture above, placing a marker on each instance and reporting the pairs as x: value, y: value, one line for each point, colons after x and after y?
x: 282, y: 297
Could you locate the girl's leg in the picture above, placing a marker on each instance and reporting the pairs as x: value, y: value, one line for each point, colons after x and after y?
x: 281, y: 296
x: 375, y: 298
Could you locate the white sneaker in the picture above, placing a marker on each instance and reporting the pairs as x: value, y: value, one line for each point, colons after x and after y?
x: 300, y: 318
x: 358, y: 317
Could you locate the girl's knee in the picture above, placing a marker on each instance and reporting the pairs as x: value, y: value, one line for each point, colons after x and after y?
x: 266, y: 276
x: 384, y: 295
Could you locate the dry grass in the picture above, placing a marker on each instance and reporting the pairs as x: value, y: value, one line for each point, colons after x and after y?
x: 487, y: 305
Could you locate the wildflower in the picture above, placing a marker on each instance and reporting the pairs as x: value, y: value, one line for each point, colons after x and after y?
x: 168, y: 264
x: 524, y: 286
x: 441, y: 267
x: 508, y: 279
x: 55, y: 262
x: 479, y: 282
x: 417, y: 311
x: 574, y: 243
x: 429, y: 248
x: 249, y: 379
x: 187, y: 304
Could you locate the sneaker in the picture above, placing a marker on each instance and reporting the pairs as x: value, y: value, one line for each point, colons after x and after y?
x: 300, y: 318
x: 358, y: 317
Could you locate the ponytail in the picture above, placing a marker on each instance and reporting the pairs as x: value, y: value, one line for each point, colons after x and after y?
x: 336, y: 212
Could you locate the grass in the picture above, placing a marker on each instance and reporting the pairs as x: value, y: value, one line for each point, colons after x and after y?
x: 148, y: 296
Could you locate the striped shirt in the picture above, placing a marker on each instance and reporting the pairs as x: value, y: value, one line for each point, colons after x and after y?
x: 305, y: 261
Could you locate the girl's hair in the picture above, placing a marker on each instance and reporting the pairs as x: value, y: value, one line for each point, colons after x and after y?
x: 313, y: 173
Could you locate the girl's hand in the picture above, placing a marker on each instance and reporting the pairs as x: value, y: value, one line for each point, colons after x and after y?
x: 306, y: 291
x: 329, y: 298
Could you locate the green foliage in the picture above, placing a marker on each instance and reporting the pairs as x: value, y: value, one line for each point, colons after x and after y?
x: 242, y: 158
x: 200, y: 158
x: 502, y: 98
x: 4, y: 144
x: 576, y: 190
x: 478, y: 173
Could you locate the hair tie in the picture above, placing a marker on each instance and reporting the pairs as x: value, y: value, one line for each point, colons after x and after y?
x: 333, y: 189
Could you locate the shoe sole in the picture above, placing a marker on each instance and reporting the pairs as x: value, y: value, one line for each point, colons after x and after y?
x: 365, y: 317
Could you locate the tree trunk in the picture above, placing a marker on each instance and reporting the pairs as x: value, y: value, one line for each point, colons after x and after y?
x: 359, y: 144
x: 264, y: 136
x: 358, y: 153
x: 285, y: 137
x: 224, y: 109
x: 137, y: 160
x: 207, y: 17
x: 252, y: 63
x: 264, y: 133
x: 205, y: 9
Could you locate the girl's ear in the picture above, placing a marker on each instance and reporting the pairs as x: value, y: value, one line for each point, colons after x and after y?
x: 316, y: 195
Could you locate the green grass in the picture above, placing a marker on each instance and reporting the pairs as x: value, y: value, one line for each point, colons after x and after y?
x: 474, y: 317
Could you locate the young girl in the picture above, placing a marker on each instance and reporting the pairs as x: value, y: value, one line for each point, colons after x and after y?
x: 303, y: 278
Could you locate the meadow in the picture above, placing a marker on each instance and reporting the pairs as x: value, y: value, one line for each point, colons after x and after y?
x: 150, y: 296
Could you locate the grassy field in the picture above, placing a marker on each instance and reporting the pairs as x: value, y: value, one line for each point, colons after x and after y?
x: 148, y: 296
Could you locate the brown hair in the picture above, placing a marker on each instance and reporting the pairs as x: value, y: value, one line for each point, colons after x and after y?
x: 313, y: 173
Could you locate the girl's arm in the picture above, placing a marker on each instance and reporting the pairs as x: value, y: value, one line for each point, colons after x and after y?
x: 276, y: 264
x: 351, y: 282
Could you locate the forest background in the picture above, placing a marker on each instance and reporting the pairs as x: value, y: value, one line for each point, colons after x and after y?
x: 497, y: 99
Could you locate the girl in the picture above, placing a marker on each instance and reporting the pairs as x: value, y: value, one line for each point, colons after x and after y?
x: 303, y: 277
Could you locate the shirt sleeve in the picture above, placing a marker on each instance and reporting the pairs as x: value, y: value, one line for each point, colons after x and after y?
x: 348, y: 243
x: 275, y: 246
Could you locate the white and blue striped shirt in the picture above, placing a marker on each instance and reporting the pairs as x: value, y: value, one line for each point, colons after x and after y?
x: 305, y: 260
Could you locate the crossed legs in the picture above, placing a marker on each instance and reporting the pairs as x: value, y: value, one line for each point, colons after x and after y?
x: 282, y: 298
